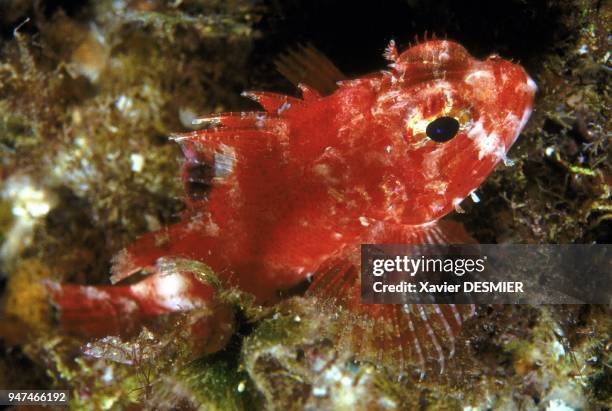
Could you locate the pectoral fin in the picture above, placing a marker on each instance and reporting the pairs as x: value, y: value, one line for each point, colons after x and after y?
x: 404, y: 336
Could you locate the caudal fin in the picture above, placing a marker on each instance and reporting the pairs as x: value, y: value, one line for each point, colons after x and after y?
x: 94, y: 311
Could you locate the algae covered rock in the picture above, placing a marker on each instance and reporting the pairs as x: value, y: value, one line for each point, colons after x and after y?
x: 293, y: 361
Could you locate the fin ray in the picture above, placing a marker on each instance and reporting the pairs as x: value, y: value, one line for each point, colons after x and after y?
x: 400, y: 335
x: 272, y: 102
x: 308, y: 65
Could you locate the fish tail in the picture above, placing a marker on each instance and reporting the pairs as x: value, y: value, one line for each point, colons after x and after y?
x: 94, y: 311
x: 178, y: 285
x: 175, y: 241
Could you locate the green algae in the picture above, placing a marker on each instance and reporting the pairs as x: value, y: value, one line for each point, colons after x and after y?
x: 293, y: 361
x: 217, y: 383
x: 6, y: 218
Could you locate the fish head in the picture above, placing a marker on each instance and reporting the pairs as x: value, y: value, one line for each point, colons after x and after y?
x: 455, y: 118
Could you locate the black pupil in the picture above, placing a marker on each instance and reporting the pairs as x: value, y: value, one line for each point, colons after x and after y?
x: 442, y: 129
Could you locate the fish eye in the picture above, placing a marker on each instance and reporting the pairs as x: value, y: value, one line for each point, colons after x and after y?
x: 442, y: 129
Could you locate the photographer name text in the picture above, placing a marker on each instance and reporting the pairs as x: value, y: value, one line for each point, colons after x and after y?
x: 424, y: 264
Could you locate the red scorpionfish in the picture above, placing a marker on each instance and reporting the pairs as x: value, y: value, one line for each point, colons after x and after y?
x: 288, y: 194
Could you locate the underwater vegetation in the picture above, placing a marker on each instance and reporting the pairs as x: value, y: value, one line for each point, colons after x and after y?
x: 90, y: 92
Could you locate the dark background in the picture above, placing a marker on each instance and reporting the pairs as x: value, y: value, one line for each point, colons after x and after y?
x: 354, y: 34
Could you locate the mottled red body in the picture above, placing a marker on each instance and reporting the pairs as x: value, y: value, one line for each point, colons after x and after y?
x: 288, y: 193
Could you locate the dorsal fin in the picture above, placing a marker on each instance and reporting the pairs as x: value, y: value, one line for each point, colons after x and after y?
x: 307, y: 65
